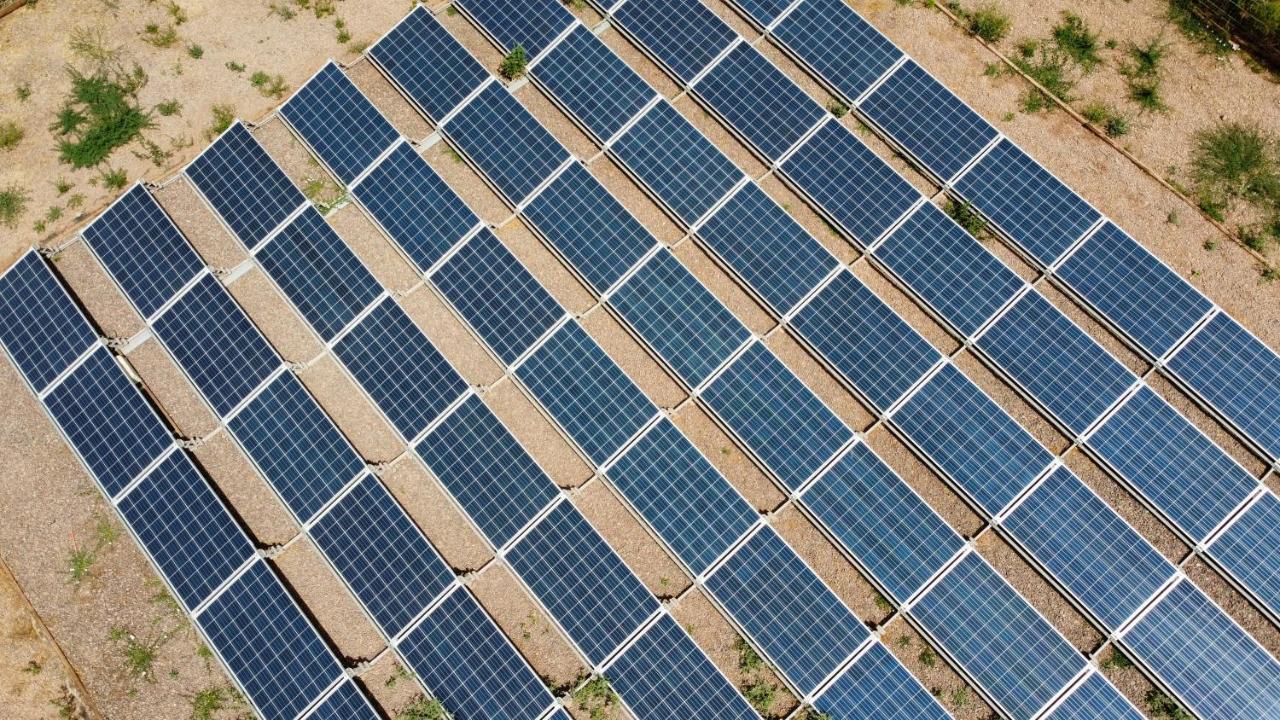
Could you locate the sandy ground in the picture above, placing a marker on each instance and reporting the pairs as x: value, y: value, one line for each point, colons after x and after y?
x: 35, y: 678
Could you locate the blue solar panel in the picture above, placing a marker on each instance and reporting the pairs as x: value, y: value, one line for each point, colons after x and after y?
x: 679, y: 318
x: 185, y: 527
x: 777, y: 257
x: 1217, y: 669
x: 971, y: 439
x: 400, y: 369
x: 466, y: 662
x: 759, y: 101
x: 686, y: 500
x: 41, y: 328
x: 484, y: 467
x: 852, y: 184
x: 244, y: 185
x: 428, y: 63
x: 684, y: 36
x: 997, y: 637
x: 844, y: 49
x: 346, y: 703
x: 586, y: 224
x: 583, y: 390
x: 882, y: 521
x: 108, y: 421
x: 581, y: 581
x: 1042, y: 215
x: 959, y: 278
x: 1096, y: 555
x: 1238, y: 375
x: 295, y: 444
x: 865, y: 340
x: 593, y: 83
x: 664, y: 675
x: 1095, y: 699
x: 532, y: 24
x: 507, y: 143
x: 319, y: 273
x: 929, y: 121
x: 877, y: 686
x: 781, y: 603
x: 497, y: 296
x: 143, y: 250
x: 216, y: 344
x: 268, y: 643
x: 762, y: 11
x: 778, y: 418
x: 339, y: 123
x: 678, y: 163
x: 1179, y: 470
x: 1039, y: 347
x: 416, y: 208
x: 1248, y: 549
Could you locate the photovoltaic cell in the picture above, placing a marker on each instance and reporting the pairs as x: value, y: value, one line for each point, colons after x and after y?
x: 882, y: 522
x: 678, y: 163
x: 971, y: 439
x: 997, y: 637
x: 679, y: 318
x: 339, y: 123
x: 762, y: 11
x: 346, y: 703
x: 532, y: 24
x: 1095, y: 699
x: 850, y: 182
x: 216, y: 344
x: 843, y: 48
x: 482, y: 465
x: 428, y: 63
x: 581, y: 581
x: 143, y: 250
x: 684, y: 36
x: 268, y: 643
x: 1248, y: 549
x: 593, y: 83
x: 877, y: 686
x: 41, y: 328
x: 244, y: 185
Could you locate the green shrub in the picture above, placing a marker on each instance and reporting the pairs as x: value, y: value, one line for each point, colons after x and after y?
x: 11, y: 134
x: 100, y: 115
x: 195, y: 51
x: 1236, y: 161
x: 514, y: 64
x: 1147, y: 95
x: 1145, y: 59
x: 13, y: 204
x: 115, y: 179
x: 1163, y: 707
x: 966, y: 217
x: 169, y: 108
x: 1077, y: 40
x: 223, y: 116
x: 990, y: 22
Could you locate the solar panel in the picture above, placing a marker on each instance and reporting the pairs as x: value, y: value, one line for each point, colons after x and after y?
x: 850, y: 182
x: 778, y: 418
x: 497, y: 296
x: 929, y: 121
x: 585, y: 392
x: 688, y: 502
x: 1063, y: 368
x: 1217, y: 669
x: 143, y: 250
x: 346, y: 703
x: 1247, y: 548
x: 664, y: 675
x: 506, y: 143
x: 1237, y: 374
x: 532, y: 24
x: 185, y: 527
x: 41, y: 327
x: 593, y: 83
x: 1173, y: 465
x: 677, y: 163
x: 269, y: 645
x: 244, y: 185
x: 339, y: 123
x: 417, y: 209
x: 759, y: 101
x: 484, y: 467
x: 777, y: 257
x: 877, y: 686
x: 865, y: 340
x: 581, y: 581
x: 400, y: 369
x: 971, y: 439
x: 684, y: 36
x: 794, y: 617
x: 470, y: 665
x: 959, y: 278
x: 882, y: 521
x: 997, y: 637
x: 216, y: 344
x: 762, y: 11
x: 432, y: 68
x: 844, y: 49
x: 319, y: 273
x: 1042, y: 215
x: 679, y: 317
x: 1095, y: 699
x: 1096, y: 555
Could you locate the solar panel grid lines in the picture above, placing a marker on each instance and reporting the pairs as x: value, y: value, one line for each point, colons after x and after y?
x: 1246, y: 548
x: 41, y: 327
x: 1093, y: 699
x: 531, y: 24
x: 419, y: 42
x: 876, y: 685
x: 683, y: 37
x: 346, y: 702
x: 812, y: 25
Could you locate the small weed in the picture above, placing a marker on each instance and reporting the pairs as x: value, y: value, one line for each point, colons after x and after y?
x: 1163, y: 707
x: 902, y: 641
x: 89, y: 44
x: 966, y: 217
x: 398, y: 673
x: 1173, y: 219
x: 114, y: 179
x: 1008, y: 117
x: 514, y: 64
x: 268, y: 85
x: 284, y: 12
x: 453, y: 154
x: 422, y: 708
x: 80, y: 559
x: 38, y: 226
x: 451, y: 11
x: 1078, y: 41
x: 204, y: 653
x: 1253, y: 238
x: 22, y: 91
x: 992, y: 69
x: 883, y: 604
x: 960, y: 698
x: 358, y: 48
x: 1236, y: 161
x: 596, y: 697
x: 344, y: 36
x: 53, y: 214
x: 169, y: 108
x: 1117, y: 661
x: 1048, y: 67
x: 324, y: 8
x: 32, y: 668
x: 176, y: 12
x: 748, y: 659
x: 1267, y: 274
x: 838, y: 109
x: 223, y: 116
x: 761, y: 696
x: 210, y: 700
x: 1210, y: 244
x: 928, y: 657
x: 1026, y: 48
x: 1145, y: 59
x: 75, y: 201
x: 235, y: 67
x: 1112, y: 122
x: 990, y: 22
x: 11, y: 134
x: 13, y: 204
x: 195, y: 51
x: 161, y: 37
x: 139, y: 656
x: 1146, y: 94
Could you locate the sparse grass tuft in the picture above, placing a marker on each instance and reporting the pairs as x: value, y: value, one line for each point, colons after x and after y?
x: 235, y: 67
x: 1048, y: 67
x: 514, y: 64
x: 1236, y: 161
x: 422, y: 708
x: 1146, y: 59
x: 161, y: 37
x: 1163, y: 707
x: 990, y: 22
x: 838, y: 108
x: 13, y: 204
x: 195, y: 51
x: 169, y: 108
x: 597, y: 697
x: 269, y: 85
x: 22, y: 91
x: 1078, y: 41
x: 90, y: 45
x: 11, y: 133
x: 928, y: 657
x: 1112, y: 121
x: 223, y: 116
x: 1147, y: 95
x: 206, y: 703
x: 966, y: 217
x: 114, y: 179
